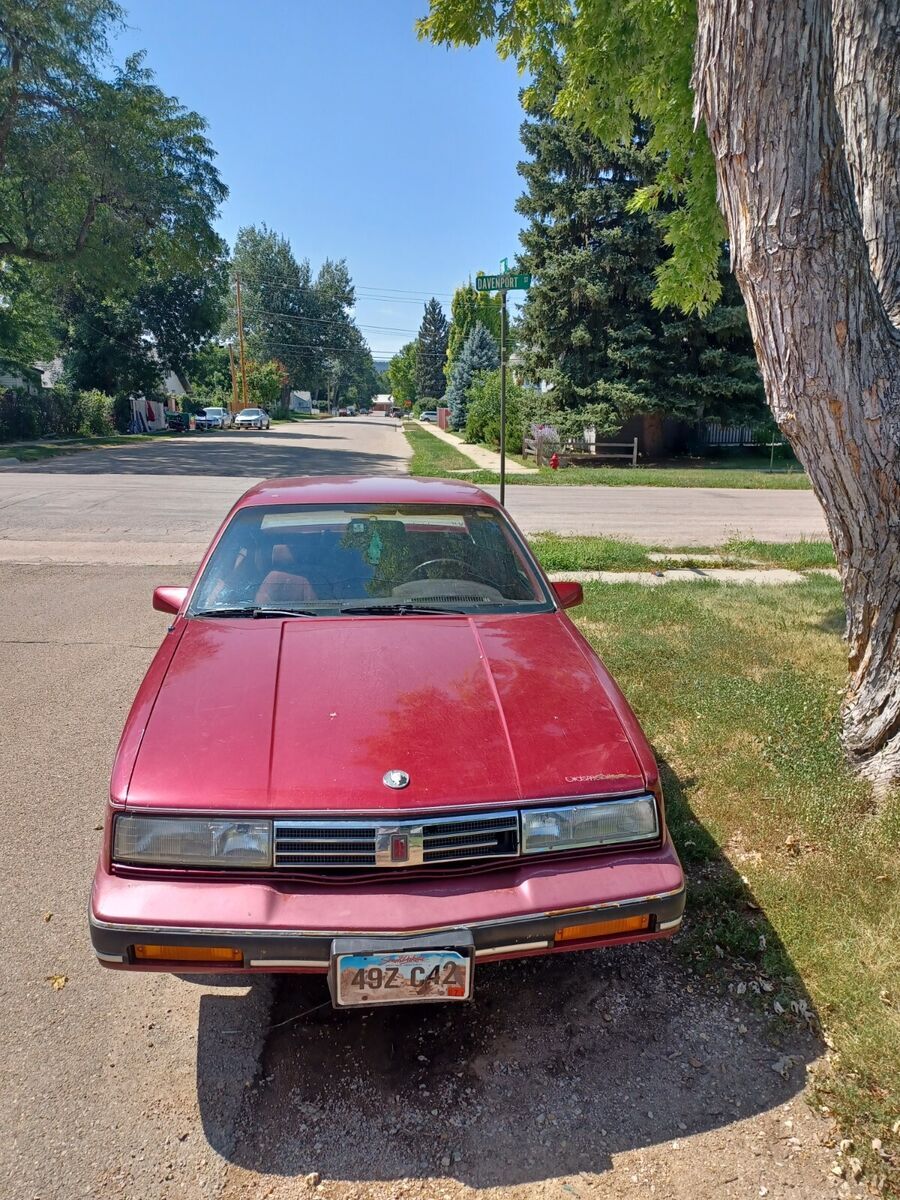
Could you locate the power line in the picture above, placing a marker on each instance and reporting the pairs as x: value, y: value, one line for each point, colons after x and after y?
x: 418, y: 297
x: 270, y: 312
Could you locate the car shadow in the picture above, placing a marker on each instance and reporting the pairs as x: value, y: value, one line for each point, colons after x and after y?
x: 556, y: 1065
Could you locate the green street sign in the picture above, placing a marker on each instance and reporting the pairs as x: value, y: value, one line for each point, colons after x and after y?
x: 502, y: 283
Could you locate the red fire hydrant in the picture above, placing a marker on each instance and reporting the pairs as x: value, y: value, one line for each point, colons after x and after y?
x: 554, y: 462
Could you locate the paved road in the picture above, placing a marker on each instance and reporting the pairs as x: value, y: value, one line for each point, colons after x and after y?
x: 348, y: 446
x: 160, y: 502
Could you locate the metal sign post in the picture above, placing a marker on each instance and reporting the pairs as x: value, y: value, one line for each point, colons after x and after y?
x: 507, y: 281
x: 503, y: 398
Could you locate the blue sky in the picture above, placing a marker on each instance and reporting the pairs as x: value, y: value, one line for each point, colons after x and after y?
x: 335, y: 126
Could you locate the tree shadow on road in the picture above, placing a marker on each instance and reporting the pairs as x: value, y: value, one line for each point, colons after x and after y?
x: 557, y: 1064
x: 275, y: 452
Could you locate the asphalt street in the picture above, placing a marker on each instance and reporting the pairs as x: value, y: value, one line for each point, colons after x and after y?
x: 160, y: 502
x: 152, y: 1087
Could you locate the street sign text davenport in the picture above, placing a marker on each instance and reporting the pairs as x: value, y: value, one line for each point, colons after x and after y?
x: 502, y: 283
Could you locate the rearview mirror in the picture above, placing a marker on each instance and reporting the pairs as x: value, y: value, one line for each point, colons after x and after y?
x: 569, y: 595
x: 169, y: 599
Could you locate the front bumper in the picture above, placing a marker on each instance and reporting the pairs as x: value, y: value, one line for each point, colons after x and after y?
x: 289, y: 926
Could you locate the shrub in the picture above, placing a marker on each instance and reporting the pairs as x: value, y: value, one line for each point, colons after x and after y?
x: 21, y: 417
x: 97, y: 414
x: 483, y: 413
x: 64, y: 412
x: 524, y: 407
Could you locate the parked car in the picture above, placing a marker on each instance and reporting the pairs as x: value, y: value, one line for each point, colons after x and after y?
x: 430, y: 416
x: 343, y: 412
x: 213, y: 418
x: 252, y: 418
x: 178, y: 422
x: 317, y: 835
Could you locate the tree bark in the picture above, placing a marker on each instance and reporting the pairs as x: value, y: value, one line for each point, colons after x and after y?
x: 815, y: 252
x: 652, y: 430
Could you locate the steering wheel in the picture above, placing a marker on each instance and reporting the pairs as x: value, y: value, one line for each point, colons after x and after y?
x: 452, y: 562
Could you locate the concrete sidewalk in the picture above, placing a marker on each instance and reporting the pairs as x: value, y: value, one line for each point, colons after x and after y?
x: 735, y: 575
x: 483, y: 458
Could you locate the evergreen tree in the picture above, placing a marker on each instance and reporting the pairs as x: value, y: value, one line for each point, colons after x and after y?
x: 431, y: 351
x: 467, y: 308
x: 589, y: 327
x: 479, y: 353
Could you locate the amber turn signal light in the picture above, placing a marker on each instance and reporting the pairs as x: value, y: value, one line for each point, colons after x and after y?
x: 581, y: 933
x: 210, y: 954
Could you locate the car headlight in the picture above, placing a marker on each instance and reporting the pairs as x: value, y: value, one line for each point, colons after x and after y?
x: 192, y: 842
x: 579, y: 826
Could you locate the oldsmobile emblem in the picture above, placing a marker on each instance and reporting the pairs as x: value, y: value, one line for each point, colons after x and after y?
x: 395, y: 779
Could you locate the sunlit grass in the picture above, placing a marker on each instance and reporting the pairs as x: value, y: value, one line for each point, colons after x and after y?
x: 584, y: 553
x: 739, y: 690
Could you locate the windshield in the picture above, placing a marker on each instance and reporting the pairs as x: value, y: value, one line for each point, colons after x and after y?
x: 213, y: 412
x: 329, y: 559
x: 250, y: 412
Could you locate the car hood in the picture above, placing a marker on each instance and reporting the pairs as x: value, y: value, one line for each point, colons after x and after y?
x: 310, y: 714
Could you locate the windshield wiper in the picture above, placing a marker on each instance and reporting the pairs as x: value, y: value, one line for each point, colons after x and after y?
x: 397, y: 610
x: 256, y: 611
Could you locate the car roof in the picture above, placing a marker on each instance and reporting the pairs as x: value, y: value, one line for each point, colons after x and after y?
x: 364, y: 489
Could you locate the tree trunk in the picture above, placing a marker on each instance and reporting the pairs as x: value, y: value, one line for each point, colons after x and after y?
x: 652, y: 435
x: 818, y: 280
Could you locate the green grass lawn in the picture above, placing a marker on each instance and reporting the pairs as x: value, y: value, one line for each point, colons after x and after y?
x: 794, y: 874
x: 36, y: 451
x: 557, y: 552
x: 434, y: 457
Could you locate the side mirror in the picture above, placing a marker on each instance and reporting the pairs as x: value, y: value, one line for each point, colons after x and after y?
x: 569, y: 595
x: 169, y: 599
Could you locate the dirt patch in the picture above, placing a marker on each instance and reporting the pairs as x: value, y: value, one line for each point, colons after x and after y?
x: 613, y: 1073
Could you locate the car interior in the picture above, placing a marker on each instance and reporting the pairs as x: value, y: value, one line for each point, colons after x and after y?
x: 363, y: 560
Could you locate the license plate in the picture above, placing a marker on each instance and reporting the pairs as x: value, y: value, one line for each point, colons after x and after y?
x: 400, y: 976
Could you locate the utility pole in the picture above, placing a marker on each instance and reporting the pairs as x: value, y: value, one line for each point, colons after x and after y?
x: 503, y: 398
x: 234, y: 387
x: 240, y: 322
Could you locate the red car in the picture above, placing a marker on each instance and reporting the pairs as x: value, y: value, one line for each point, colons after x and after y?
x: 373, y: 745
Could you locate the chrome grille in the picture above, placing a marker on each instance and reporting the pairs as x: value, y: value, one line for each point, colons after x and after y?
x: 324, y: 844
x: 345, y: 845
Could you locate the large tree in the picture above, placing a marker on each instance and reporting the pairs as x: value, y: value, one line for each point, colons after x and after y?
x: 401, y: 374
x: 790, y: 113
x: 281, y: 315
x: 94, y: 159
x: 29, y: 323
x: 123, y: 340
x: 467, y: 308
x: 589, y: 326
x: 431, y: 351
